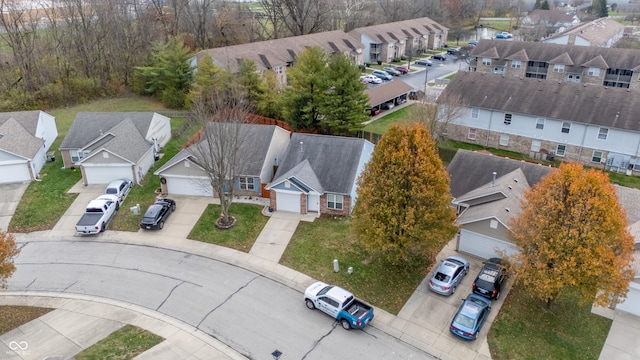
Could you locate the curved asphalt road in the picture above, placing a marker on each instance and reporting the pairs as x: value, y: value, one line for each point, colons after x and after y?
x: 252, y: 314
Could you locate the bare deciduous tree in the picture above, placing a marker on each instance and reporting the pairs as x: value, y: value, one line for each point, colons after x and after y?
x: 300, y: 17
x: 436, y: 114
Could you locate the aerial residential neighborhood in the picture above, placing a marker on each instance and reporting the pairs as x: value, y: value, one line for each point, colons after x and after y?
x: 442, y: 181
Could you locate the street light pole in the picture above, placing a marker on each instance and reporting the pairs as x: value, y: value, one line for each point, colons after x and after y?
x: 426, y: 80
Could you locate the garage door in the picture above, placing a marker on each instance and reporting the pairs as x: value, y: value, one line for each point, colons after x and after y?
x: 106, y: 174
x: 483, y: 246
x: 288, y: 202
x: 10, y: 173
x: 188, y: 186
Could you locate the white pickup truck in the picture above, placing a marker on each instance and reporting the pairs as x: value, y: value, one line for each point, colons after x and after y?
x: 97, y: 215
x: 340, y: 304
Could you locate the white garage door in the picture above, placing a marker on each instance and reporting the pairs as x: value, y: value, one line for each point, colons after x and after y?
x: 483, y: 246
x: 188, y: 186
x: 10, y: 173
x: 106, y: 174
x: 287, y: 202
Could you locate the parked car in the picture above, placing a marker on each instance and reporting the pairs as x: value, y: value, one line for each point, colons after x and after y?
x: 424, y: 62
x: 388, y: 105
x: 473, y: 43
x: 503, y: 35
x: 374, y: 111
x: 371, y: 79
x: 449, y: 275
x: 441, y: 57
x: 97, y: 215
x: 349, y: 311
x: 382, y: 75
x: 119, y: 188
x: 489, y: 281
x: 453, y: 51
x: 470, y: 316
x: 402, y: 69
x: 392, y: 71
x: 157, y: 214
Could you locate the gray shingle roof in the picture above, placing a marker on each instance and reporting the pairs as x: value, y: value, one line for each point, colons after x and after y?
x: 333, y: 161
x: 591, y: 104
x: 280, y: 52
x: 387, y: 91
x: 395, y: 29
x: 88, y: 126
x: 125, y: 141
x: 615, y: 58
x: 27, y: 119
x: 255, y: 138
x: 15, y: 139
x: 598, y: 31
x: 469, y: 170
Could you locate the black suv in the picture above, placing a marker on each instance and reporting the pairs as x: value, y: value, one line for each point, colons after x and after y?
x: 490, y: 279
x: 441, y: 57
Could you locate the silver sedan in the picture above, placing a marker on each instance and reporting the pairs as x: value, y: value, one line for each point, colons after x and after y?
x: 449, y: 275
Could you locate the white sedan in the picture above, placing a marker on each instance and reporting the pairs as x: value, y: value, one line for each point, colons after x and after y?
x: 371, y: 79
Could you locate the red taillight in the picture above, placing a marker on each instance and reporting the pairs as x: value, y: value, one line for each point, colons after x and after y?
x: 494, y: 293
x: 431, y: 282
x: 452, y: 327
x: 446, y: 287
x: 97, y: 228
x: 358, y: 323
x: 473, y: 286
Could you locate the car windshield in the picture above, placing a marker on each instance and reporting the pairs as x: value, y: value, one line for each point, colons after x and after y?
x: 153, y: 211
x: 112, y: 191
x: 325, y: 290
x: 465, y: 321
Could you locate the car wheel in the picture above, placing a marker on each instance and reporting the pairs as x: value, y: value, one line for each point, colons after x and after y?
x: 345, y: 324
x: 103, y: 227
x: 173, y: 207
x: 117, y: 206
x: 161, y: 225
x: 497, y: 296
x: 453, y: 290
x: 310, y: 304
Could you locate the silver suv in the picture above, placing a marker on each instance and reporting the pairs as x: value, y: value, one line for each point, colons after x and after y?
x: 382, y: 75
x: 119, y: 188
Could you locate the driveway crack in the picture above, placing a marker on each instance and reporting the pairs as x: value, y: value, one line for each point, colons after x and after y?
x: 225, y: 301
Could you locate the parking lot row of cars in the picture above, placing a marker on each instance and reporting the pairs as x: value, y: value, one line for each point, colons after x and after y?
x: 386, y: 74
x: 476, y: 306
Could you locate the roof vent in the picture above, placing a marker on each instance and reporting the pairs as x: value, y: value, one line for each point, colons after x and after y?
x: 510, y: 188
x: 493, y: 182
x: 507, y: 210
x: 516, y: 180
x: 301, y: 149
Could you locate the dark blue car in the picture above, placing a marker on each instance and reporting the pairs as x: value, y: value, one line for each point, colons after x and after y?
x: 469, y: 319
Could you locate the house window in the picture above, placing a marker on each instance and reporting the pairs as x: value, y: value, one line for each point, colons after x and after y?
x: 516, y: 64
x: 507, y: 119
x: 278, y: 69
x: 594, y: 72
x: 475, y: 113
x: 504, y: 139
x: 335, y: 201
x: 560, y: 150
x: 566, y: 126
x: 486, y: 61
x: 597, y: 156
x: 558, y: 68
x: 76, y: 155
x: 535, y: 145
x: 105, y: 155
x: 246, y: 183
x: 540, y: 123
x: 472, y: 134
x: 573, y: 78
x: 602, y: 134
x: 499, y: 70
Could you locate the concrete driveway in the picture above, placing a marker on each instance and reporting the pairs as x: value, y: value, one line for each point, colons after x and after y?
x: 10, y: 195
x: 433, y: 312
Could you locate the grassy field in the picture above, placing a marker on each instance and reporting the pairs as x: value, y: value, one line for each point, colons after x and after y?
x: 15, y: 316
x: 125, y: 343
x: 526, y: 329
x: 250, y: 222
x: 397, y: 117
x: 315, y: 245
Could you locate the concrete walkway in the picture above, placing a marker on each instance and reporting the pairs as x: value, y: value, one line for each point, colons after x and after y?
x: 275, y: 236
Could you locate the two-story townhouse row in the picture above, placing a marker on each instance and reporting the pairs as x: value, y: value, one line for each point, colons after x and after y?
x: 587, y: 65
x: 553, y: 18
x: 603, y: 32
x: 592, y: 125
x: 279, y: 54
x: 385, y: 42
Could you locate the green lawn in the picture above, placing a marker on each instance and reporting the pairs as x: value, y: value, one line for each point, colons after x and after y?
x: 250, y: 222
x: 125, y: 343
x: 315, y: 245
x: 397, y: 117
x: 526, y: 329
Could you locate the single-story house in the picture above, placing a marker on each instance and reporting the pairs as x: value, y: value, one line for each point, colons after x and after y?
x: 113, y: 145
x: 25, y: 138
x: 319, y: 174
x: 261, y: 148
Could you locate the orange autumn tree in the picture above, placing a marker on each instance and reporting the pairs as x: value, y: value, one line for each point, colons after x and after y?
x: 8, y: 251
x: 573, y: 234
x: 403, y: 209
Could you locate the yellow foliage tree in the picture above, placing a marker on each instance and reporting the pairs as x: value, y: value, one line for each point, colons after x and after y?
x: 572, y: 233
x: 8, y: 251
x: 404, y: 201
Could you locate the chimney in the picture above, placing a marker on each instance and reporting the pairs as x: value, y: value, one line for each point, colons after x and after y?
x: 493, y: 182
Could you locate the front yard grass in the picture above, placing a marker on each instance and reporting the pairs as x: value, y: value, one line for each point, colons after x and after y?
x: 315, y: 245
x: 125, y: 343
x: 15, y: 316
x: 241, y: 237
x: 526, y: 329
x: 397, y: 117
